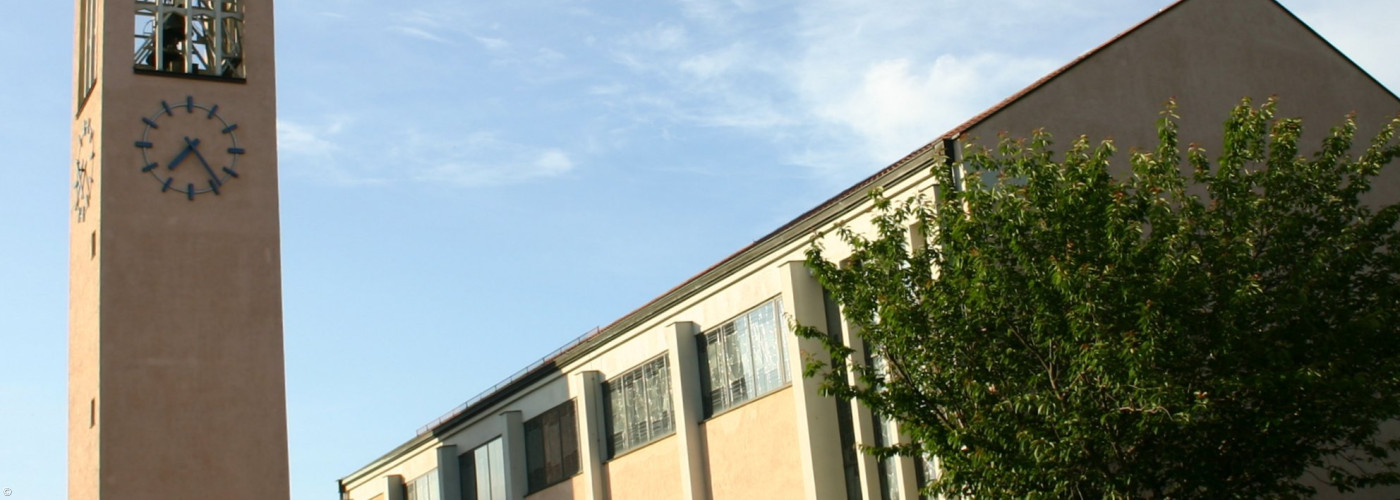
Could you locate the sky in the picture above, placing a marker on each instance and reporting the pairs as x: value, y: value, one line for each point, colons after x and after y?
x: 467, y: 185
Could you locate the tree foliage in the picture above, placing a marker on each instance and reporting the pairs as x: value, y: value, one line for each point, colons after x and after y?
x: 1194, y: 330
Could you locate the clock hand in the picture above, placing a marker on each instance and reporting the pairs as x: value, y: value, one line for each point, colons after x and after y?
x: 189, y: 146
x: 213, y: 176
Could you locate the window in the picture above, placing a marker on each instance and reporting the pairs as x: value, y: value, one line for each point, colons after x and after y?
x: 887, y: 467
x: 640, y: 405
x: 484, y: 472
x: 744, y: 358
x: 195, y: 37
x: 551, y: 447
x: 886, y: 430
x: 425, y: 487
x: 87, y: 49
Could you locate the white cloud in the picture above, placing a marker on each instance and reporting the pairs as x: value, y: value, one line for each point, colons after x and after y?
x: 418, y: 33
x: 317, y: 150
x: 897, y: 105
x: 492, y: 43
x: 301, y: 139
x: 478, y: 159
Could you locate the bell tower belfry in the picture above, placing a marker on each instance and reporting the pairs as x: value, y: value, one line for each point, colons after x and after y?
x: 176, y: 372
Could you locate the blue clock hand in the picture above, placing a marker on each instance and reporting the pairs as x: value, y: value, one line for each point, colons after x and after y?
x: 212, y: 176
x: 189, y: 146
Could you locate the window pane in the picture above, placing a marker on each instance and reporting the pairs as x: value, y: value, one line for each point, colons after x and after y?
x: 497, y: 471
x: 719, y: 380
x: 534, y: 456
x: 768, y: 359
x: 636, y: 410
x: 617, y: 418
x: 737, y: 358
x: 550, y: 459
x: 643, y: 403
x: 553, y: 456
x: 467, y: 470
x: 568, y: 435
x: 659, y: 397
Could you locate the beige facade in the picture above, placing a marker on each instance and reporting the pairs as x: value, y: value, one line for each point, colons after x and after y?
x: 175, y: 335
x: 782, y: 439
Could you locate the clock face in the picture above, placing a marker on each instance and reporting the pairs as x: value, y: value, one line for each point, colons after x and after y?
x: 188, y: 148
x: 85, y: 169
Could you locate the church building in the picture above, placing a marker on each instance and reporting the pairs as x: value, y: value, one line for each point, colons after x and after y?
x: 699, y: 394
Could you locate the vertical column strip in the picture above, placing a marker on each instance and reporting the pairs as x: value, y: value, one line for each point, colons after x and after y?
x: 449, y: 473
x: 687, y: 409
x: 818, y: 428
x: 589, y: 388
x: 515, y: 455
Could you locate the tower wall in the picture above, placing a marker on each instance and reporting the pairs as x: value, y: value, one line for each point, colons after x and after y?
x: 176, y: 359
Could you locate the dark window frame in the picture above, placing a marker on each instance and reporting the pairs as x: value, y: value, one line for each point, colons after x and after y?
x: 645, y: 391
x: 730, y: 354
x: 551, y: 447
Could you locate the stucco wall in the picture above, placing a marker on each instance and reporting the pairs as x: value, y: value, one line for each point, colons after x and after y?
x: 753, y: 450
x: 652, y: 472
x: 1207, y: 55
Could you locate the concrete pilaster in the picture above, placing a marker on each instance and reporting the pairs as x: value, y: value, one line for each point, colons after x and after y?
x: 687, y: 408
x: 593, y: 448
x: 904, y: 469
x: 514, y: 445
x: 393, y: 487
x: 818, y: 440
x: 449, y: 473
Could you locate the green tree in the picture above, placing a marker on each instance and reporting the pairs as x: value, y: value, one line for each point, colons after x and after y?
x: 1066, y: 334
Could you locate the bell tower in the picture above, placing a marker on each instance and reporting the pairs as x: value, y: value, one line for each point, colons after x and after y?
x: 176, y: 381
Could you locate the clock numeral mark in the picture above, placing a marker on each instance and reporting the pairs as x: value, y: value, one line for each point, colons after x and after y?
x: 189, y: 103
x: 236, y: 151
x: 214, y: 186
x: 166, y: 106
x: 149, y: 168
x: 166, y: 187
x: 149, y: 122
x: 189, y: 191
x: 231, y: 128
x: 144, y: 145
x: 230, y: 172
x: 213, y: 111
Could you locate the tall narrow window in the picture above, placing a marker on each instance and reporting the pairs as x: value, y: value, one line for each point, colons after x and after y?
x: 640, y: 405
x: 87, y: 49
x: 484, y: 472
x: 744, y: 358
x: 193, y: 37
x: 551, y: 447
x: 885, y: 431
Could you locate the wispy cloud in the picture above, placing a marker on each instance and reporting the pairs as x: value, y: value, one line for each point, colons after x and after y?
x: 418, y: 33
x: 478, y: 159
x: 847, y: 87
x: 316, y: 149
x: 491, y: 43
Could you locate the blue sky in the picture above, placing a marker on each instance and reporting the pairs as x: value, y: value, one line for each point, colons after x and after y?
x: 467, y: 185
